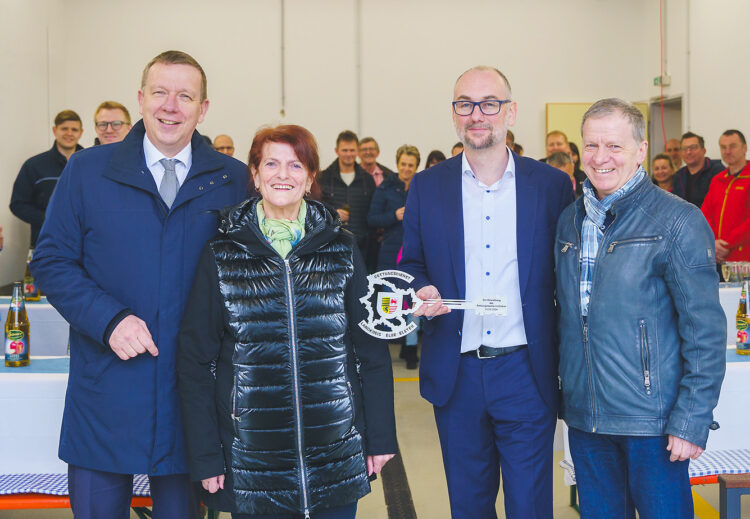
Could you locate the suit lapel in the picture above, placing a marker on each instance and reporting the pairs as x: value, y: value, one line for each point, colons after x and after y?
x: 454, y: 224
x: 526, y: 200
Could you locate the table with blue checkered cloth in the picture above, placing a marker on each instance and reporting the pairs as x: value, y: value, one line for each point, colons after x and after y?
x: 55, y: 484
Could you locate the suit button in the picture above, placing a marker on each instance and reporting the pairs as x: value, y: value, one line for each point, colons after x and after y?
x: 200, y: 188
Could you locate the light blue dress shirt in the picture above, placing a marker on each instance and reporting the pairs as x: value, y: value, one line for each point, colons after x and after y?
x: 491, y: 258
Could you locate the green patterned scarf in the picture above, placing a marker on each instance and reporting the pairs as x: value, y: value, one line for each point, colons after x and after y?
x: 282, y: 234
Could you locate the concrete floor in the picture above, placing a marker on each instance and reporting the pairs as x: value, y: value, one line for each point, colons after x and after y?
x: 422, y: 460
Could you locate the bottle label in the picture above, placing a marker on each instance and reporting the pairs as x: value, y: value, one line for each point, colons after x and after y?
x: 741, y: 323
x: 16, y: 304
x: 16, y: 346
x: 28, y: 286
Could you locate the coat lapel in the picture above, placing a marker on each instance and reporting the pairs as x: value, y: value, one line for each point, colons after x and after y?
x: 205, y: 160
x: 127, y: 164
x: 454, y: 223
x: 526, y: 200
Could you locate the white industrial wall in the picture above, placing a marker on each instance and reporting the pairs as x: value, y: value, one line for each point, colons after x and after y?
x: 380, y: 67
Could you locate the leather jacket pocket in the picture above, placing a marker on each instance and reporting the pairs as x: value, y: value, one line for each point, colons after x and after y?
x: 645, y: 357
x: 643, y: 240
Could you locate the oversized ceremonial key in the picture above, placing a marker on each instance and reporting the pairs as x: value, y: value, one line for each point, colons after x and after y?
x: 484, y: 306
x: 388, y: 320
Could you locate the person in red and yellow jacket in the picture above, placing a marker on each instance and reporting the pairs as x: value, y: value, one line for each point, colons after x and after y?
x: 727, y: 204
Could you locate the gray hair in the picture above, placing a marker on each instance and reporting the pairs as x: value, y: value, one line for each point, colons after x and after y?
x: 613, y: 105
x: 559, y: 159
x: 485, y: 68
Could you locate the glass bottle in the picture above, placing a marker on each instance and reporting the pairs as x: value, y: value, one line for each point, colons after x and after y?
x: 17, y: 330
x: 743, y: 342
x: 30, y: 290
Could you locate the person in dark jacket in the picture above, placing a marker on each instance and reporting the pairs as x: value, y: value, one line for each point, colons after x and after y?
x: 388, y: 202
x: 288, y: 405
x: 116, y: 258
x: 387, y: 212
x: 38, y: 176
x: 348, y: 188
x: 691, y: 182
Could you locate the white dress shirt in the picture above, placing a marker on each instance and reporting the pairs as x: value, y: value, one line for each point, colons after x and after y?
x: 153, y: 156
x: 491, y: 258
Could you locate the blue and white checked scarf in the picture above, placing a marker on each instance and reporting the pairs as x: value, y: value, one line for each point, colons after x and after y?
x: 592, y: 231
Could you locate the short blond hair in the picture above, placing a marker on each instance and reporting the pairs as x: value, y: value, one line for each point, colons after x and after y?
x: 112, y: 105
x: 556, y: 132
x: 408, y: 149
x: 177, y: 57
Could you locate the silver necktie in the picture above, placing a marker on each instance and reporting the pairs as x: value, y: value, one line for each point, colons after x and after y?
x: 169, y: 185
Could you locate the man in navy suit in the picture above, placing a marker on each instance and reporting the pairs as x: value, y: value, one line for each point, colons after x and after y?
x: 482, y: 224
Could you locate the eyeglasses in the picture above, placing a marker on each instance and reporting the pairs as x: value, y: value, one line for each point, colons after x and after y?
x: 491, y: 107
x: 692, y: 147
x: 116, y: 125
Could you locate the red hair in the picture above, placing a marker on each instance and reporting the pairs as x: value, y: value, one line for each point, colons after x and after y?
x: 299, y: 138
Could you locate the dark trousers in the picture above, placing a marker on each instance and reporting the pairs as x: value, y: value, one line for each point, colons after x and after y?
x: 496, y: 420
x: 95, y: 494
x: 616, y: 475
x: 341, y: 512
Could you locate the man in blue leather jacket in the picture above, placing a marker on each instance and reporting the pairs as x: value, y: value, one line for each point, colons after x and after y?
x: 642, y: 333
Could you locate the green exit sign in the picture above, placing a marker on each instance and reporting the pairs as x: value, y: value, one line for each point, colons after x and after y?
x: 662, y: 80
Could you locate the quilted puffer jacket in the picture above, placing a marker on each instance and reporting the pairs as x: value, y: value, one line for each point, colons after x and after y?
x: 300, y: 394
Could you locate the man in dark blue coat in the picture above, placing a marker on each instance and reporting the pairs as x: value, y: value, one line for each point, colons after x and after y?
x: 478, y: 225
x: 116, y: 258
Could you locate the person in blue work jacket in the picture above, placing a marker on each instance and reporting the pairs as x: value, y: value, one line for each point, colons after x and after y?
x: 116, y: 258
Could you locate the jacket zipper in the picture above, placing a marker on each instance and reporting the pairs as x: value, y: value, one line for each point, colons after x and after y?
x: 584, y: 326
x: 351, y: 399
x: 724, y: 205
x: 591, y: 378
x: 295, y: 383
x: 644, y: 357
x: 585, y: 323
x: 235, y: 418
x: 633, y: 240
x: 566, y: 246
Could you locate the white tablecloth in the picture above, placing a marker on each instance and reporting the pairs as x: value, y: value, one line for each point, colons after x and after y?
x: 49, y: 331
x: 31, y: 405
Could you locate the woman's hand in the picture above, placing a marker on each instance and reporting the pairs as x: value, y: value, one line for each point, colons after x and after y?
x: 376, y: 463
x: 215, y: 483
x: 400, y: 213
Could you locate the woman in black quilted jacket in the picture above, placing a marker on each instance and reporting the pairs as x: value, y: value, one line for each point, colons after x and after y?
x: 287, y: 404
